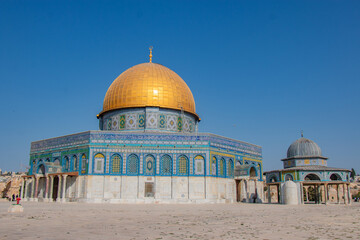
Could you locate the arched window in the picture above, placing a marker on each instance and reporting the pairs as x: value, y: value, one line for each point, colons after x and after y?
x: 312, y: 177
x: 289, y: 177
x: 252, y: 172
x: 150, y: 165
x: 335, y: 177
x: 76, y: 162
x: 133, y: 164
x: 83, y: 164
x: 41, y: 169
x: 99, y: 160
x: 231, y: 168
x: 47, y: 160
x: 213, y: 166
x: 199, y: 165
x: 67, y: 163
x: 222, y: 167
x: 183, y: 165
x: 166, y: 165
x: 116, y: 164
x: 273, y: 179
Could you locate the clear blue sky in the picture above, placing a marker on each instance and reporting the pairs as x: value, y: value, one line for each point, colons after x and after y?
x: 260, y: 71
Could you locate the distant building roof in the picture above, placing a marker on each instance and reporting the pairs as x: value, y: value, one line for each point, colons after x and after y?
x: 309, y: 168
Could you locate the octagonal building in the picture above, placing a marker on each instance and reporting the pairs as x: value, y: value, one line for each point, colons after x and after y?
x: 148, y: 150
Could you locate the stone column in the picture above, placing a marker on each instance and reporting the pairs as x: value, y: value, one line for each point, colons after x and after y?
x: 63, y: 199
x: 243, y: 191
x: 256, y: 191
x: 46, y: 188
x: 345, y: 202
x: 338, y: 194
x: 33, y: 187
x: 26, y: 190
x: 348, y: 193
x: 58, y: 199
x: 51, y: 188
x: 22, y: 188
x: 78, y: 187
x: 326, y: 193
x: 36, y: 187
x: 305, y: 193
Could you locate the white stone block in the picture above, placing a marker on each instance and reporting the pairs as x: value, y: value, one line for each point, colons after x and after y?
x: 290, y: 193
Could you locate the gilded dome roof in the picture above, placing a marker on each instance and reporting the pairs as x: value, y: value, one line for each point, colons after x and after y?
x: 303, y: 147
x: 149, y: 85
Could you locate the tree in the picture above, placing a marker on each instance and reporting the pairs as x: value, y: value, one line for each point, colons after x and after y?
x: 353, y: 173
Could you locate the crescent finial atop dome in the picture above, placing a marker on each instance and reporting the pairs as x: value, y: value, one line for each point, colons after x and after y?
x: 150, y: 55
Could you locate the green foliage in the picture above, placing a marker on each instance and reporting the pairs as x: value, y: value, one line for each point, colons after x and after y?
x: 353, y: 173
x: 356, y: 195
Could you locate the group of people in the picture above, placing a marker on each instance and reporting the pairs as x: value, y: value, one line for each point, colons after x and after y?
x: 13, y: 198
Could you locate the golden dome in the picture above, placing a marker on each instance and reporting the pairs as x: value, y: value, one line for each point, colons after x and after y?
x: 149, y: 85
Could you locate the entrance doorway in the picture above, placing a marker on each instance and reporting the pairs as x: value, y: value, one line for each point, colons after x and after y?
x: 149, y: 190
x: 55, y: 188
x: 238, y: 190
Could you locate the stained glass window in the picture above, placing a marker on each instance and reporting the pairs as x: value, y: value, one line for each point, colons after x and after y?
x: 115, y: 167
x: 231, y: 168
x: 183, y: 165
x: 166, y: 165
x: 67, y: 164
x: 133, y: 164
x: 75, y: 160
x: 213, y: 165
x: 83, y: 164
x: 222, y: 167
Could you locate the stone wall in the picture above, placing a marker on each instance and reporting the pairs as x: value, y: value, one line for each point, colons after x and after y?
x: 132, y: 189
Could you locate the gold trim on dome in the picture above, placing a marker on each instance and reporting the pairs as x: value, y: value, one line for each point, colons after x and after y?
x: 149, y: 85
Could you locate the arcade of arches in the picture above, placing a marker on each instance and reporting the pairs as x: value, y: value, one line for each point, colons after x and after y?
x: 315, y: 191
x: 58, y: 187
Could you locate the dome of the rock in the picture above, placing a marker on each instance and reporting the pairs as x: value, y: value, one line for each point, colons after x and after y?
x: 149, y: 85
